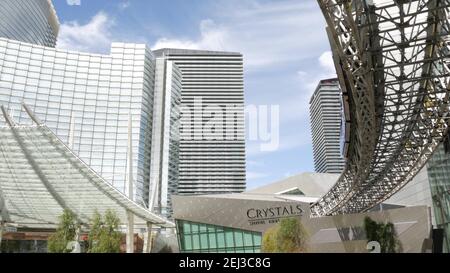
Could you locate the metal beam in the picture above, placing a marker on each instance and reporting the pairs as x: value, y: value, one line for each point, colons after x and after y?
x: 130, y: 215
x: 28, y: 155
x: 130, y: 232
x: 2, y: 226
x: 4, y: 215
x: 31, y: 114
x: 148, y: 238
x: 9, y: 121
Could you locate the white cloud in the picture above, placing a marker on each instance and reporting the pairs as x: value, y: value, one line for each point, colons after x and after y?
x: 286, y: 53
x: 326, y: 61
x: 73, y: 2
x: 326, y: 71
x: 212, y: 37
x: 95, y: 36
x: 124, y: 5
x: 272, y: 37
x: 268, y: 34
x: 307, y: 81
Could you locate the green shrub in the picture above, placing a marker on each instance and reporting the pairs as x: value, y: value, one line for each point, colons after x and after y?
x: 289, y: 236
x: 65, y: 233
x: 382, y: 233
x: 104, y: 236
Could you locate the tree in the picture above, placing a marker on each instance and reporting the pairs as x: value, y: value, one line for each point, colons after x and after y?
x: 104, y: 236
x: 95, y: 230
x: 65, y: 233
x: 382, y: 233
x: 289, y: 236
x: 269, y: 241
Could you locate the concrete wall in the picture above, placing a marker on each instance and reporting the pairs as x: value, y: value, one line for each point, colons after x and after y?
x: 253, y: 215
x: 345, y: 233
x: 341, y: 234
x: 415, y: 193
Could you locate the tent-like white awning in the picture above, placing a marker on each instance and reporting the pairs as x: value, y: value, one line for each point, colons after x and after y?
x: 40, y: 177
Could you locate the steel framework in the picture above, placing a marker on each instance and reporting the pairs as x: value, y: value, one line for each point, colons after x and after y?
x: 391, y: 61
x: 40, y: 177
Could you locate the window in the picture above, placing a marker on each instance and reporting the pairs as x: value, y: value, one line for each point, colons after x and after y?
x: 221, y: 239
x: 204, y: 241
x: 238, y: 239
x: 202, y: 238
x: 248, y: 241
x: 187, y: 242
x: 229, y: 240
x: 212, y: 240
x: 195, y: 241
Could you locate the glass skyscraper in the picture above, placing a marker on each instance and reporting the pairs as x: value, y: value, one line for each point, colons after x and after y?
x: 165, y: 145
x: 29, y: 21
x: 439, y: 176
x: 439, y: 173
x: 87, y: 100
x: 98, y: 103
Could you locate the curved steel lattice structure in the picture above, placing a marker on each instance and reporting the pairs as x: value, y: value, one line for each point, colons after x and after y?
x: 40, y: 177
x: 390, y: 58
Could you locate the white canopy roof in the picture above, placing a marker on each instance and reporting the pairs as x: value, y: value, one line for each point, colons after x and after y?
x: 40, y: 177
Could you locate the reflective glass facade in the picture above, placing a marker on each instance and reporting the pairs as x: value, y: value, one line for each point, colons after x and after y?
x: 204, y: 238
x: 86, y: 99
x: 165, y: 145
x: 33, y: 21
x: 439, y: 176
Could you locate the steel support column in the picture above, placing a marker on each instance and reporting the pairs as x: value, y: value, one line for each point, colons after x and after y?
x: 130, y: 216
x: 148, y: 239
x: 2, y: 226
x: 130, y: 232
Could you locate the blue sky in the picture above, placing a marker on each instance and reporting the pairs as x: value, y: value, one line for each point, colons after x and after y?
x: 284, y: 42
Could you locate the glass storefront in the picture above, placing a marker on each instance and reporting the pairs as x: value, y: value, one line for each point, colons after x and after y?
x: 203, y: 238
x: 23, y: 246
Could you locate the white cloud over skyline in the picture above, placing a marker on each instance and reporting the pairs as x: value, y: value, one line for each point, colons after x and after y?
x: 264, y: 33
x: 286, y: 53
x: 212, y: 37
x: 94, y: 36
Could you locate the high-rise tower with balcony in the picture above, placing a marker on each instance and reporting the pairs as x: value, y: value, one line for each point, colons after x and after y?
x: 212, y: 145
x: 326, y: 125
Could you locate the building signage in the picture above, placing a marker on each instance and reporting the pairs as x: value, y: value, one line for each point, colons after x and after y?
x: 272, y: 215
